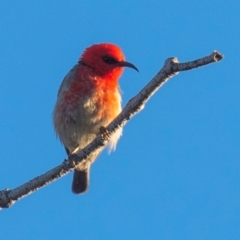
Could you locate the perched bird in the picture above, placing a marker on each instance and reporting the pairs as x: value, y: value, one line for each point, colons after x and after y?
x: 88, y: 99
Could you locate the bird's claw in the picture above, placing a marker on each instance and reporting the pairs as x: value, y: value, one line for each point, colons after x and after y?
x: 104, y: 133
x: 72, y: 160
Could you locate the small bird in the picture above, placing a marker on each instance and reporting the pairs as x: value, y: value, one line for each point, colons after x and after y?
x: 89, y: 99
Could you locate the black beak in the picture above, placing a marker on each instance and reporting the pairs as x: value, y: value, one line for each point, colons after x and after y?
x: 126, y: 64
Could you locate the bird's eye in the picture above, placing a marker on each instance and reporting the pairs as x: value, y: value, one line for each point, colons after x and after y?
x: 109, y: 60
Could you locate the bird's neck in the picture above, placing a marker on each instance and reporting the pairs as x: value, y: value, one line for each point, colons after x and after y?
x: 88, y: 80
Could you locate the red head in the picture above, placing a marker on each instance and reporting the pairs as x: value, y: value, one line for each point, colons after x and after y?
x: 106, y: 60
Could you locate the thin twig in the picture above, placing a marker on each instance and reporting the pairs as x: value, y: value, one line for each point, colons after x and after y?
x: 171, y: 67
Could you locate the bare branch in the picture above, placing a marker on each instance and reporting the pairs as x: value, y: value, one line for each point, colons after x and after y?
x: 171, y: 67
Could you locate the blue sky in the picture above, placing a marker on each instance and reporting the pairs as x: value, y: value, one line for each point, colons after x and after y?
x: 176, y: 171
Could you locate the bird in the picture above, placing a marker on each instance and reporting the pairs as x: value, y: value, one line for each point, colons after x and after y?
x: 88, y: 99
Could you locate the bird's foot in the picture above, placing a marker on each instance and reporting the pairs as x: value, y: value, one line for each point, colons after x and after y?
x: 104, y: 133
x: 72, y: 160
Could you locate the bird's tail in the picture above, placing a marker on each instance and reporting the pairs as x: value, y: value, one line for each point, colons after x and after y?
x: 80, y: 180
x: 81, y: 174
